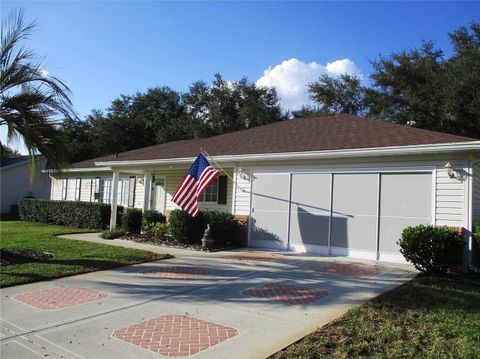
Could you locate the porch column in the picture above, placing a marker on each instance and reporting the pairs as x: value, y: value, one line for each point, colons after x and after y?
x: 147, y: 189
x: 114, y: 197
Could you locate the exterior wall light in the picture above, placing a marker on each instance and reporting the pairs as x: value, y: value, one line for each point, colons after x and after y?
x: 451, y: 171
x: 243, y: 174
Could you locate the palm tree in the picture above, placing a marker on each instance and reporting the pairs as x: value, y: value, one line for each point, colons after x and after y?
x: 32, y: 101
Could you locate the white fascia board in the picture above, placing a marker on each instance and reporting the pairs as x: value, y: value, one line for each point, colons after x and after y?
x: 80, y: 170
x: 358, y: 152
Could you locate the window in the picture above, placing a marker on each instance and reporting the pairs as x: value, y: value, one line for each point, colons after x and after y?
x: 131, y: 194
x: 64, y: 188
x: 123, y: 191
x: 96, y: 190
x: 78, y: 185
x: 126, y: 191
x: 211, y: 193
x: 105, y: 190
x: 92, y: 190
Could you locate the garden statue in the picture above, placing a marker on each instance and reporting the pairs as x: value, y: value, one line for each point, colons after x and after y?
x: 207, y: 240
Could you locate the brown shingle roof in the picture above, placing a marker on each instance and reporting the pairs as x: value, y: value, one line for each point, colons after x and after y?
x: 304, y: 134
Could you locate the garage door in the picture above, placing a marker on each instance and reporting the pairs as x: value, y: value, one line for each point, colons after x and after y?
x: 354, y: 214
x: 361, y: 214
x: 310, y: 211
x: 405, y: 200
x: 270, y: 209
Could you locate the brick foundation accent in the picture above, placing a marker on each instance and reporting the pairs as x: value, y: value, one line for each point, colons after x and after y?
x: 175, y: 335
x: 458, y: 230
x: 242, y: 219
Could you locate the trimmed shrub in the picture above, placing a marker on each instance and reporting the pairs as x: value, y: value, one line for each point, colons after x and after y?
x: 151, y: 218
x: 432, y: 249
x: 132, y: 220
x: 160, y: 230
x: 185, y: 228
x: 225, y: 228
x: 477, y: 232
x: 112, y: 233
x: 67, y: 213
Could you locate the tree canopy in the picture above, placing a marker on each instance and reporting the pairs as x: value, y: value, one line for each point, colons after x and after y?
x: 342, y: 94
x: 420, y: 87
x: 161, y: 115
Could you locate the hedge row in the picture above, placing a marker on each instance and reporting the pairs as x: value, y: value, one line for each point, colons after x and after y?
x: 67, y: 213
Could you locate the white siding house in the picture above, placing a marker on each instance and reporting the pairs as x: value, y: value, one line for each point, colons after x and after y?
x: 337, y: 185
x: 15, y: 181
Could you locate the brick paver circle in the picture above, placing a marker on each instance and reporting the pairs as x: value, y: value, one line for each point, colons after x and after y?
x: 356, y: 270
x: 176, y: 272
x: 286, y: 293
x: 60, y: 297
x: 255, y: 257
x: 175, y: 335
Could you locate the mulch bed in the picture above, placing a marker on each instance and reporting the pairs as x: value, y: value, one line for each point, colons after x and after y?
x: 12, y: 256
x: 171, y: 242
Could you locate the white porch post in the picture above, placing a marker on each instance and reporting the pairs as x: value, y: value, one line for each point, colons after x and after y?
x: 147, y: 189
x: 114, y: 196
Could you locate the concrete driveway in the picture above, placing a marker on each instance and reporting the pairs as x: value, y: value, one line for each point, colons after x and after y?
x: 236, y: 304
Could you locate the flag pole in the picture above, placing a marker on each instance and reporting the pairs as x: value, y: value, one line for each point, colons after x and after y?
x: 220, y: 167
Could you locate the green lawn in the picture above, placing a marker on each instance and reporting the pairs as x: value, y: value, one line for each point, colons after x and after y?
x: 70, y: 256
x: 424, y: 318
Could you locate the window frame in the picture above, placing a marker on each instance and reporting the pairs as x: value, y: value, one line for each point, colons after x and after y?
x: 201, y: 199
x: 64, y: 189
x: 78, y: 188
x: 131, y: 191
x: 102, y: 197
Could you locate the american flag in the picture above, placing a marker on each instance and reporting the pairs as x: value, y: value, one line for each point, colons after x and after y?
x: 197, y: 179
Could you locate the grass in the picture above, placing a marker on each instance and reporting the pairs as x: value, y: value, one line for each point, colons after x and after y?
x: 70, y: 256
x: 425, y: 318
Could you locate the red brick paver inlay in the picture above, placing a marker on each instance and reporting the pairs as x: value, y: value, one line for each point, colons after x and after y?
x: 60, y: 297
x: 254, y: 257
x: 176, y: 272
x: 351, y: 270
x: 286, y: 293
x: 175, y: 335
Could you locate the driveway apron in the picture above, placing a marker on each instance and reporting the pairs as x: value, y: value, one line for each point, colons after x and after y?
x: 235, y: 304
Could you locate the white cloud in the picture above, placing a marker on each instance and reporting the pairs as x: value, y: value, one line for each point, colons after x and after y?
x: 291, y: 77
x: 341, y: 67
x: 43, y: 72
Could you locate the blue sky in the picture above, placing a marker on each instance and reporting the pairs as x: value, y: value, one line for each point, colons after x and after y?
x: 103, y: 49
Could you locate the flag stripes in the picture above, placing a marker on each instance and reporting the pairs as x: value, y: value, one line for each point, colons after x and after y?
x: 197, y: 179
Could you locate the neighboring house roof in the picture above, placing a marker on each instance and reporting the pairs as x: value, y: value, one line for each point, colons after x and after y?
x: 336, y: 132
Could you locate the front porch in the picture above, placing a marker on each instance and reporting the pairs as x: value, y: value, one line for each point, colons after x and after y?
x: 153, y: 188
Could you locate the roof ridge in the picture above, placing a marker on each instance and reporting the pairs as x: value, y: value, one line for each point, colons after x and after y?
x: 326, y: 132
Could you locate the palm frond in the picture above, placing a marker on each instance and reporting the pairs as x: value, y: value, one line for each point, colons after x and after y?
x: 31, y: 103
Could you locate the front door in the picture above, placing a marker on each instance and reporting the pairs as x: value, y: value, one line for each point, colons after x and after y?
x: 158, y: 195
